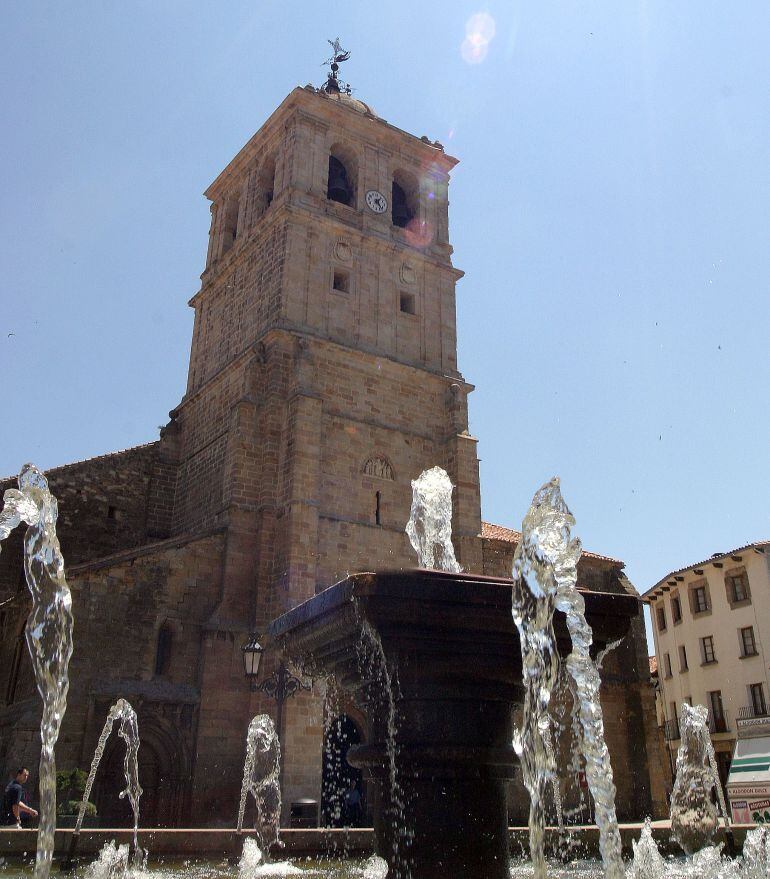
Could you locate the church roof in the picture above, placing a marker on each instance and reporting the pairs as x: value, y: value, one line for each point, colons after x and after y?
x: 508, y: 535
x: 49, y: 470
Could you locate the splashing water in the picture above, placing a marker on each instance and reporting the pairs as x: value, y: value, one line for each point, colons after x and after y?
x: 374, y: 667
x: 693, y: 815
x: 430, y: 521
x: 129, y: 732
x: 544, y: 579
x: 48, y: 632
x: 533, y: 604
x: 375, y: 868
x: 260, y: 777
x: 253, y: 864
x: 708, y: 863
x: 112, y: 863
x: 647, y: 863
x: 585, y: 672
x: 756, y: 854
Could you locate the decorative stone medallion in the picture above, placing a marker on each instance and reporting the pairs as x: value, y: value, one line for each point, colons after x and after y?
x: 408, y: 274
x: 343, y: 251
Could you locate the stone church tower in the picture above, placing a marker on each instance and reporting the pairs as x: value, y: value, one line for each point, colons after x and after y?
x: 323, y: 372
x: 323, y: 378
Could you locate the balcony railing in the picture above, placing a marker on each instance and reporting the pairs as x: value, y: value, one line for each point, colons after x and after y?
x: 719, y: 723
x: 752, y: 711
x: 671, y: 730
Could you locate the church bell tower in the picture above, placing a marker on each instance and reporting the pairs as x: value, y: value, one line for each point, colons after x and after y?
x: 323, y: 371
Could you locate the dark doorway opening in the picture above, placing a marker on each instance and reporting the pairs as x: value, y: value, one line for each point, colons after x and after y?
x: 338, y: 774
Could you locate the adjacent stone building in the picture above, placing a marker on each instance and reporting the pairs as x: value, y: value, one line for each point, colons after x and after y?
x: 323, y: 377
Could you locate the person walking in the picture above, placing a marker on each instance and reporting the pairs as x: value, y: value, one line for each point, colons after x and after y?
x: 13, y: 800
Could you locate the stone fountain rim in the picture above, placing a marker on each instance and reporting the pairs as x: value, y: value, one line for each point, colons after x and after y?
x: 390, y: 582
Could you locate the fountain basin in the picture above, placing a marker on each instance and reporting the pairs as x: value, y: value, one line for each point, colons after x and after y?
x: 452, y: 650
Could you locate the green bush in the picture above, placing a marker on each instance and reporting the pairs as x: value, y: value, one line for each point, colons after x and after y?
x: 72, y: 807
x: 70, y: 786
x: 71, y: 783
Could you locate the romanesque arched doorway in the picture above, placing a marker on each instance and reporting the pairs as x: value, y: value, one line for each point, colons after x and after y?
x: 163, y: 777
x: 341, y: 734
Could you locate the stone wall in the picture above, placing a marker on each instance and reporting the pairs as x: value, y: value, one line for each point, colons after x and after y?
x: 119, y: 606
x: 105, y: 505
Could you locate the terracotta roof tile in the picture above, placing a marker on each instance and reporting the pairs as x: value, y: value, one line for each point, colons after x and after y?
x: 500, y: 532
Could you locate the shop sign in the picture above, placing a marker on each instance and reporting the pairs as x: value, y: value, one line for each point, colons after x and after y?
x: 750, y: 811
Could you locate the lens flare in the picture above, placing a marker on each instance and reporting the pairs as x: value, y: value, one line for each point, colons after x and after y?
x: 480, y: 30
x: 418, y: 233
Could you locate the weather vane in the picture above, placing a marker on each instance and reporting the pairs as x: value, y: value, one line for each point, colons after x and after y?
x: 334, y: 85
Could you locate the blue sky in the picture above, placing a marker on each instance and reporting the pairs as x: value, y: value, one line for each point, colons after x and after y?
x: 610, y: 212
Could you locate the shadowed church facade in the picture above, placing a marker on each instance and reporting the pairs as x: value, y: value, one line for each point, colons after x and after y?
x: 323, y: 377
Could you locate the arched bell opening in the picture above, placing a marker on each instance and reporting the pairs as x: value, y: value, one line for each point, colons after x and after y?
x: 405, y: 199
x: 342, y: 179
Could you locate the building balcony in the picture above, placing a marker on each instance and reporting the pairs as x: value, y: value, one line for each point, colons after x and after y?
x: 751, y: 711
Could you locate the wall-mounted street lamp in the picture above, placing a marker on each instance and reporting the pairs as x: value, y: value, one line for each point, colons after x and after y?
x: 252, y: 657
x: 280, y: 685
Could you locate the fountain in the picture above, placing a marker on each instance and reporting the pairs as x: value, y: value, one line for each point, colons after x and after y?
x: 437, y: 660
x: 544, y: 580
x: 48, y: 632
x: 261, y: 772
x: 451, y: 655
x: 693, y: 814
x: 129, y: 732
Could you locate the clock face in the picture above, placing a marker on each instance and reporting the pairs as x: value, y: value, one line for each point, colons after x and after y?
x: 376, y: 201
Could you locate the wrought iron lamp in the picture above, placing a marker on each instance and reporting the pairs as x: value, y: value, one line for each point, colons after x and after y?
x: 280, y: 685
x: 252, y: 657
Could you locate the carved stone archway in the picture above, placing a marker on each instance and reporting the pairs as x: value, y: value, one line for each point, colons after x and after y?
x: 164, y: 775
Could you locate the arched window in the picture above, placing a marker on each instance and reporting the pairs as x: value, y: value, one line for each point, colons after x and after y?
x: 404, y: 198
x: 265, y: 185
x: 341, y: 184
x: 163, y: 649
x: 230, y: 229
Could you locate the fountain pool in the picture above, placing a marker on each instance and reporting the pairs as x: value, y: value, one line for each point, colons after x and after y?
x: 679, y: 867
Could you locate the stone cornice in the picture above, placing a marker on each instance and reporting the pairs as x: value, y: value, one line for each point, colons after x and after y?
x: 248, y: 351
x: 145, y: 549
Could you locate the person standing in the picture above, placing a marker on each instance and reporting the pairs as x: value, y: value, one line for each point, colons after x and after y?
x: 353, y: 805
x: 13, y: 800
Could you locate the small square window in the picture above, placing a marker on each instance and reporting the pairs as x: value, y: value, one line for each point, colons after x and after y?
x: 676, y: 609
x: 341, y: 281
x: 661, y: 614
x: 408, y: 303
